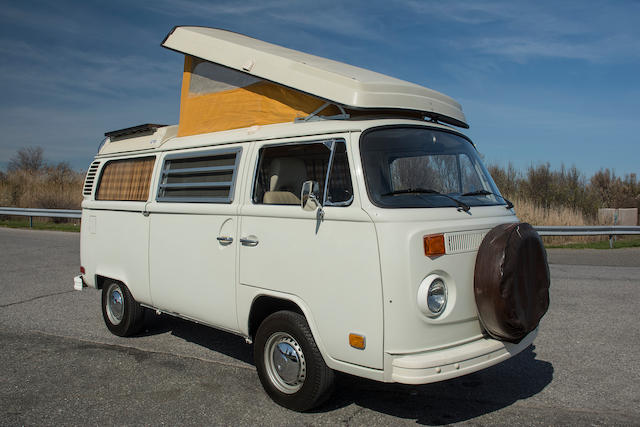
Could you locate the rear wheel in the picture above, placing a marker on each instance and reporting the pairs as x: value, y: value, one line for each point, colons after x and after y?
x: 122, y: 314
x: 290, y: 366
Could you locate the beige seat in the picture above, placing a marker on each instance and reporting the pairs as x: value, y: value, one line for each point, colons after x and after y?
x: 286, y: 175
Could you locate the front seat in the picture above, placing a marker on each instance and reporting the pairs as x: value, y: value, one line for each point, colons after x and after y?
x: 286, y: 175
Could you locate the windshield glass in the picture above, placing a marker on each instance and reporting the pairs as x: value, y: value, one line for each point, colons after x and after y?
x: 417, y: 167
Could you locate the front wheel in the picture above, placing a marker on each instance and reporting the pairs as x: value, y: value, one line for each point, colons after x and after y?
x: 290, y: 366
x: 122, y: 314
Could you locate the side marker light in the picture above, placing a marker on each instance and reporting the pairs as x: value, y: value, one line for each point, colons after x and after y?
x: 357, y: 341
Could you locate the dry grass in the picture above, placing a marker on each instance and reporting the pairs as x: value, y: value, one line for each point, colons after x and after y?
x: 534, y: 214
x: 51, y: 188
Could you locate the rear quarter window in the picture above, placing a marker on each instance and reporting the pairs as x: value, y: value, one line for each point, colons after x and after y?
x: 126, y: 180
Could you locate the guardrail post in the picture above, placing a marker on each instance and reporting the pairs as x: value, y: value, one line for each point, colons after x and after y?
x: 30, y: 222
x: 610, y: 241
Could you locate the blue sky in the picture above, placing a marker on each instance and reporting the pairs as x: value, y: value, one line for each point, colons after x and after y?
x: 539, y: 81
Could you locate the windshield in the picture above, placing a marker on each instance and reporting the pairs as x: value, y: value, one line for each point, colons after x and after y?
x: 418, y: 167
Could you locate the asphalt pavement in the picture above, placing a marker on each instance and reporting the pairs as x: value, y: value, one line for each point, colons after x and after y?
x: 60, y: 365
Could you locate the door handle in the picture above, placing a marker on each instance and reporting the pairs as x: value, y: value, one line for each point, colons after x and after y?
x: 249, y: 242
x: 225, y: 239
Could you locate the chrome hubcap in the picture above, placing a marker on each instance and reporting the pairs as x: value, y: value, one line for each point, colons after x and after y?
x: 285, y: 362
x: 115, y: 304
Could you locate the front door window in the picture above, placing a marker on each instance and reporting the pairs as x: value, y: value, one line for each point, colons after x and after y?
x: 282, y: 169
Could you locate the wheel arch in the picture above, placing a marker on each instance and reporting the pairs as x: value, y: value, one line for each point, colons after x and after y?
x: 266, y: 303
x: 101, y: 280
x: 249, y: 295
x: 102, y: 276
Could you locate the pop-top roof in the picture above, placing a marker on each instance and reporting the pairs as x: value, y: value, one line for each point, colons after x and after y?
x: 331, y: 80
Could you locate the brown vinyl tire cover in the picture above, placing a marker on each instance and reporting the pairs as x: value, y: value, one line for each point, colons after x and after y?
x: 511, y: 281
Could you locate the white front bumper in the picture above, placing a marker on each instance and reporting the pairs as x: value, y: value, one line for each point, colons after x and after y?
x: 440, y: 365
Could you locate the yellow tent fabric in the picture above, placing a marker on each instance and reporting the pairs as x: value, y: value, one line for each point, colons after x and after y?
x: 215, y: 98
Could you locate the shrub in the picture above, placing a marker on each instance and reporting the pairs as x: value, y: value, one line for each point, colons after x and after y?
x: 30, y: 182
x: 568, y: 188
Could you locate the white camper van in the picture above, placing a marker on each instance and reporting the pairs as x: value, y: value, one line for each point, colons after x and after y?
x: 336, y: 218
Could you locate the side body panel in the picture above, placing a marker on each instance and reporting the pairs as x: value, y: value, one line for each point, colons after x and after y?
x: 114, y: 244
x: 329, y: 264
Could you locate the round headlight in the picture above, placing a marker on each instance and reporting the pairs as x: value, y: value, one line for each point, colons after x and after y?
x: 437, y: 297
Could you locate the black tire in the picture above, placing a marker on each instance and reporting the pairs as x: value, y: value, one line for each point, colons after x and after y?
x: 123, y: 315
x: 313, y: 381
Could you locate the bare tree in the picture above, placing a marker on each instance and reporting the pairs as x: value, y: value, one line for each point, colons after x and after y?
x: 29, y: 159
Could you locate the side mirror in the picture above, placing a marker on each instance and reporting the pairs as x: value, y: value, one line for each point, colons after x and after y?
x: 308, y: 197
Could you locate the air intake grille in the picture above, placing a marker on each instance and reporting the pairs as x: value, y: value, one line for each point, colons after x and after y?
x: 90, y: 179
x: 464, y: 241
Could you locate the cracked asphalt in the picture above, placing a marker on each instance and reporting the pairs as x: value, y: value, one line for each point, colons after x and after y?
x: 60, y: 365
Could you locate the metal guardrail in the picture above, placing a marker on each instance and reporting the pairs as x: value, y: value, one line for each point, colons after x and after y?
x: 588, y: 230
x: 49, y: 213
x: 543, y: 230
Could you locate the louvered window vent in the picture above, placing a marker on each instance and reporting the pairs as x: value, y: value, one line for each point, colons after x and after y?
x: 90, y: 178
x: 199, y: 177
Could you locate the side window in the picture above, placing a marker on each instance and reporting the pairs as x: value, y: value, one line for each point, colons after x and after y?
x: 282, y: 170
x: 126, y: 180
x: 199, y: 177
x: 340, y: 191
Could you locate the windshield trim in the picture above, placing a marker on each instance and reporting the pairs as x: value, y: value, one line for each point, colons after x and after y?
x: 406, y: 126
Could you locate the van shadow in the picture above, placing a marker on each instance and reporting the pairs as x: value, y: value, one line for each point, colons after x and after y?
x: 213, y: 339
x: 456, y: 400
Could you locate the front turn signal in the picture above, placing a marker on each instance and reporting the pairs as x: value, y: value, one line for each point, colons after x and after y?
x: 434, y: 245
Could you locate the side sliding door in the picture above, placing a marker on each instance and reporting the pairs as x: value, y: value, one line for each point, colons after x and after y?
x: 193, y: 235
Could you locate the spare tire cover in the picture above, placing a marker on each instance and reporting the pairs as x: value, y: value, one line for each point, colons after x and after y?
x: 511, y: 281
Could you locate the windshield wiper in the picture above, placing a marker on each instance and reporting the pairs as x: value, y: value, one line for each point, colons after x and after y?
x: 462, y: 206
x: 487, y: 193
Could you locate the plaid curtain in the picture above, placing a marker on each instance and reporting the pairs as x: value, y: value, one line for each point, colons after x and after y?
x: 126, y: 180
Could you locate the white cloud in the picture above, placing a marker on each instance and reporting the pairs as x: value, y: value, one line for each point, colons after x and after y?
x: 71, y: 73
x: 340, y: 22
x: 336, y: 18
x: 199, y: 9
x: 37, y: 18
x: 520, y: 31
x: 523, y: 117
x: 522, y: 48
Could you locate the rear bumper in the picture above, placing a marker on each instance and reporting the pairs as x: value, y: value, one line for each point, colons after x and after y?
x: 440, y: 365
x: 78, y: 283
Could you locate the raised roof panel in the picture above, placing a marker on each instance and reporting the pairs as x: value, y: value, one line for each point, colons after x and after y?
x: 331, y: 80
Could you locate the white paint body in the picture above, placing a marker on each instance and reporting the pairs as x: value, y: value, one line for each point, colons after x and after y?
x: 356, y: 271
